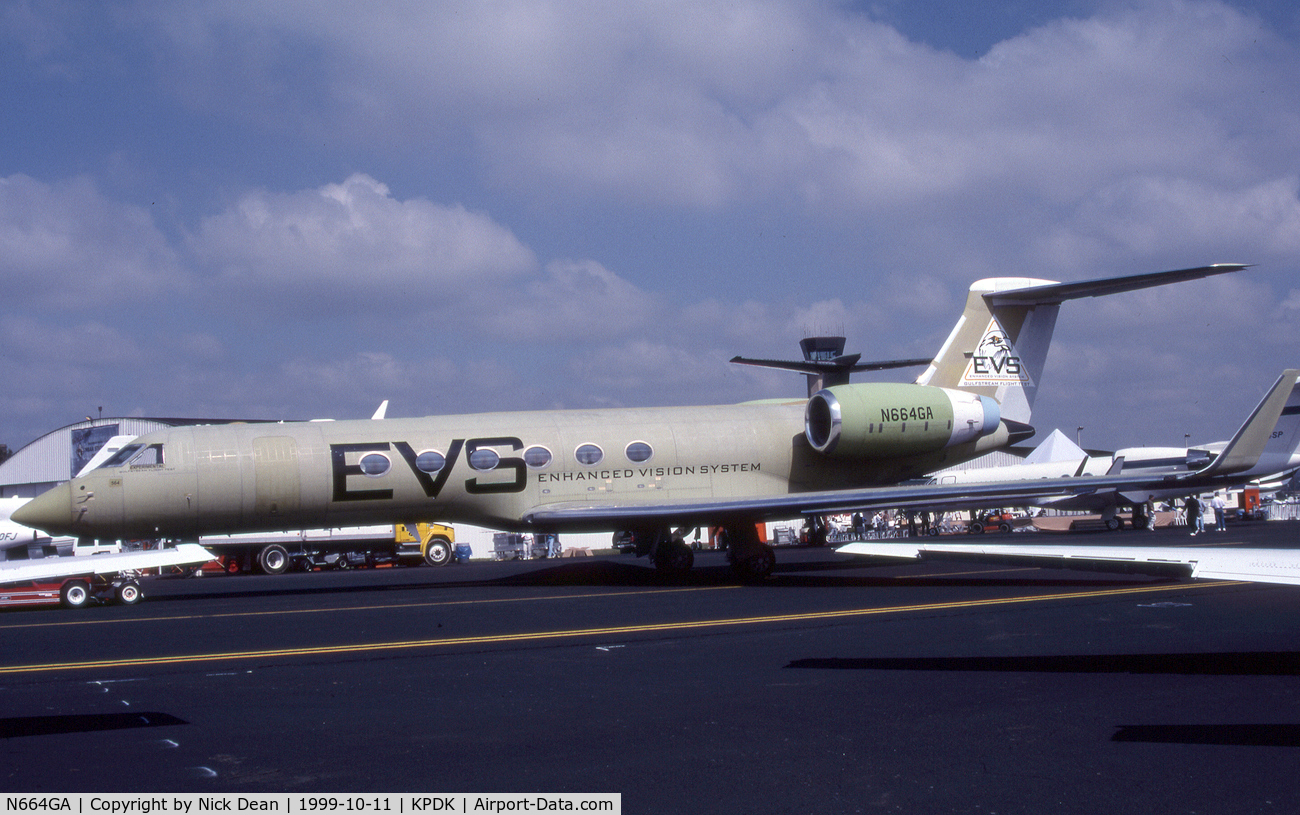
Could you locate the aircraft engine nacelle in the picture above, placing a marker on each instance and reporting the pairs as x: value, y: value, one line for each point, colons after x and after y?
x: 887, y: 420
x: 1164, y: 459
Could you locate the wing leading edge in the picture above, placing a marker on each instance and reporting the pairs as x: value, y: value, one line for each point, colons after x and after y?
x: 52, y: 568
x: 603, y: 516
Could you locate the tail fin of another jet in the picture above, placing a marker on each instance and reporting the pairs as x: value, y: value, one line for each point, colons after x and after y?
x: 1270, y: 436
x: 999, y: 345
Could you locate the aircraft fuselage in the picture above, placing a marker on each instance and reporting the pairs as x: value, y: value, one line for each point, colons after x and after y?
x: 490, y: 469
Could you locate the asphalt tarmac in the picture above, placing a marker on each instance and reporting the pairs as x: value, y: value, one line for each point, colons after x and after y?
x: 837, y: 686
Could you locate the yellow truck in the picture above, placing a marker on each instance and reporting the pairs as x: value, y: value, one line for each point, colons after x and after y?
x: 345, y: 548
x: 435, y: 544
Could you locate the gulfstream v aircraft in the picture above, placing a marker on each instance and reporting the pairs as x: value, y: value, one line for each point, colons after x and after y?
x: 649, y: 471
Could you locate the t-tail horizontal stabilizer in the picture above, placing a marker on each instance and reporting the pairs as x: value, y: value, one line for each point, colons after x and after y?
x: 999, y: 346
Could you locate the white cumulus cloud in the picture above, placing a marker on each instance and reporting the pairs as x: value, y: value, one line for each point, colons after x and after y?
x: 355, y: 241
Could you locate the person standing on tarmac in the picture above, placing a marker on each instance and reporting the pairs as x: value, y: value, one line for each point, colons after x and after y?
x: 1219, y: 508
x: 1195, y: 519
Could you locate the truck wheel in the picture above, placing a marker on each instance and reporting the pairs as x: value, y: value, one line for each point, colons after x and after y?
x: 439, y: 552
x: 1004, y: 527
x: 74, y: 594
x: 128, y: 594
x: 975, y: 528
x: 273, y: 559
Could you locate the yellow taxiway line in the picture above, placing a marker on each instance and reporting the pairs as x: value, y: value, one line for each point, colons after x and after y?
x: 317, y: 610
x: 328, y: 610
x: 448, y: 642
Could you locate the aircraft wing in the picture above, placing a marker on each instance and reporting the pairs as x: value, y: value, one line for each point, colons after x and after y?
x: 1113, y: 488
x: 53, y: 568
x: 791, y: 505
x: 1205, y: 563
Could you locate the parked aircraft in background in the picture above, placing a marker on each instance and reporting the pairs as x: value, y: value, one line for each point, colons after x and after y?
x: 825, y: 364
x: 14, y: 536
x: 1266, y: 446
x: 649, y: 471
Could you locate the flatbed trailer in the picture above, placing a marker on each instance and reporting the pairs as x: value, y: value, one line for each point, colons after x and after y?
x: 76, y: 581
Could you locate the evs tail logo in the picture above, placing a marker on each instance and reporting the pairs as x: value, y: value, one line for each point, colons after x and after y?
x: 995, y: 361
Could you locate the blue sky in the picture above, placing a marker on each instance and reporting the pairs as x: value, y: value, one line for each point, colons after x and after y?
x: 238, y: 209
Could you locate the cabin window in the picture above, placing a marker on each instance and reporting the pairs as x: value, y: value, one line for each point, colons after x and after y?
x: 430, y: 461
x: 484, y: 458
x: 537, y: 457
x: 589, y: 454
x: 638, y: 452
x: 375, y: 464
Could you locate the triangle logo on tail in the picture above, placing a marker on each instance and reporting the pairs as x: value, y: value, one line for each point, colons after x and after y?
x: 995, y: 361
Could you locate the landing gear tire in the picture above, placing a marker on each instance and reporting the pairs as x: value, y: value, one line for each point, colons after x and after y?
x: 1114, y: 524
x: 674, y: 557
x: 756, y: 565
x: 439, y: 552
x: 750, y: 558
x: 128, y: 594
x: 74, y: 594
x: 273, y: 559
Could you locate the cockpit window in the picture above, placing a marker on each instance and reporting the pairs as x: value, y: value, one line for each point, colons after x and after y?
x: 137, y: 455
x: 122, y: 456
x: 151, y: 456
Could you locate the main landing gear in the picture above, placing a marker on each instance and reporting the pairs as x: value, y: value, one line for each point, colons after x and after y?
x: 749, y: 556
x: 668, y: 550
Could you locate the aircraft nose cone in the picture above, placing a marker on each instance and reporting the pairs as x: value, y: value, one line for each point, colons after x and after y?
x: 50, y: 512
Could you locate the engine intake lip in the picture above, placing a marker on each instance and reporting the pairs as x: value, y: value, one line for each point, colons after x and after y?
x: 823, y: 420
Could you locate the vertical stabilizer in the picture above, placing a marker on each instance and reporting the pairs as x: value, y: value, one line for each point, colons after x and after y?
x: 997, y: 351
x: 1282, y: 450
x: 1268, y: 439
x: 999, y: 346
